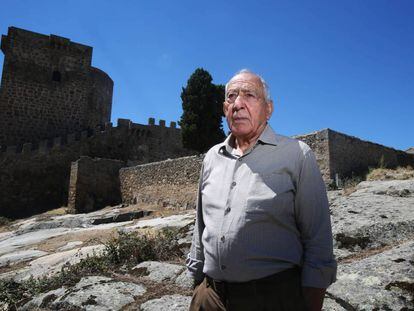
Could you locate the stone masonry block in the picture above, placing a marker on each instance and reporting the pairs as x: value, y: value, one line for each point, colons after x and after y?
x: 57, y: 142
x: 11, y: 149
x: 71, y: 138
x: 124, y: 123
x: 27, y: 148
x: 43, y: 146
x: 84, y: 135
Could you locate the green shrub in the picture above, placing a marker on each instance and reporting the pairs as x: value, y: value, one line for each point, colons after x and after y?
x: 126, y: 249
x: 4, y: 221
x: 132, y: 248
x: 11, y: 293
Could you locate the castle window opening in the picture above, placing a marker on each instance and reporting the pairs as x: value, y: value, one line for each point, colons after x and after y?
x: 56, y: 76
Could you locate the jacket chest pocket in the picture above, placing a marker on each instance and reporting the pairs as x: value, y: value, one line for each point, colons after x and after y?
x: 270, y: 194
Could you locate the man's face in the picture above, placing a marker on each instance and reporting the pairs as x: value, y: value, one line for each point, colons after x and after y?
x: 245, y: 106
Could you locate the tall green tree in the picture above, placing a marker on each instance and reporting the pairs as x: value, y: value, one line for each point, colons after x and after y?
x: 201, y: 121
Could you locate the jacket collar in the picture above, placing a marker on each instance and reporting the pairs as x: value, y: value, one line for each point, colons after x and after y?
x: 268, y: 137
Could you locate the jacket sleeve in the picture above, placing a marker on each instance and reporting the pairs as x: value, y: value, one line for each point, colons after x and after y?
x: 195, y: 259
x: 313, y: 220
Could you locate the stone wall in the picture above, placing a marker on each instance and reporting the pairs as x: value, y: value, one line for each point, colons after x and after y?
x: 35, y: 178
x: 345, y: 155
x: 33, y: 183
x: 350, y: 155
x: 94, y: 184
x: 49, y: 88
x: 318, y: 142
x: 173, y: 183
x: 170, y: 183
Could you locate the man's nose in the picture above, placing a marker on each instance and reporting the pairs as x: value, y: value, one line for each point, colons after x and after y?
x: 239, y: 103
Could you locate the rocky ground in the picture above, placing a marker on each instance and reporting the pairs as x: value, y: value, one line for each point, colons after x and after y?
x: 373, y: 228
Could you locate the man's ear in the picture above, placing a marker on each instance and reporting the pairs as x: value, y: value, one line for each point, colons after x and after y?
x: 225, y: 107
x: 269, y: 108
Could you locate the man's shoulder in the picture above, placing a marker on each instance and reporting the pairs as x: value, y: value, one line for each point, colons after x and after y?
x: 213, y: 151
x: 292, y: 143
x: 215, y: 148
x: 283, y: 142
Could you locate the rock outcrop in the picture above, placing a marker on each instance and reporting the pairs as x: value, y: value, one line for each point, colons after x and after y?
x: 373, y: 231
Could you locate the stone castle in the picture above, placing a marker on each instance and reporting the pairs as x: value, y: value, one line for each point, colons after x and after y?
x: 49, y: 88
x: 55, y: 108
x: 58, y: 148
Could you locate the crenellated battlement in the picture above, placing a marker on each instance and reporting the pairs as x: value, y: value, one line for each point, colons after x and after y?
x: 151, y: 122
x: 47, y: 145
x: 35, y: 176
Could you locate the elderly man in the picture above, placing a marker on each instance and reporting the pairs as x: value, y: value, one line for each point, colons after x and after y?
x: 262, y: 238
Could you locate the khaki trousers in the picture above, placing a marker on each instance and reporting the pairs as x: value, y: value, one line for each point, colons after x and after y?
x: 281, y: 291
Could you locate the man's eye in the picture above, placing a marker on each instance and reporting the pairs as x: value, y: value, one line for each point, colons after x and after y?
x: 250, y: 95
x: 231, y: 95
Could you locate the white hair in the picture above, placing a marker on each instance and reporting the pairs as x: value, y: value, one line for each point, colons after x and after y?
x: 264, y: 84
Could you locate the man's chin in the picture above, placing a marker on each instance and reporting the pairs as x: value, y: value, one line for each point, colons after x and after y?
x: 239, y: 131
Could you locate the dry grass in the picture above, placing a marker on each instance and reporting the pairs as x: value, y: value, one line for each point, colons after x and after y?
x: 49, y: 214
x: 400, y: 173
x: 4, y: 222
x: 370, y: 252
x: 58, y: 211
x: 381, y: 173
x: 365, y: 254
x: 156, y: 290
x: 350, y: 185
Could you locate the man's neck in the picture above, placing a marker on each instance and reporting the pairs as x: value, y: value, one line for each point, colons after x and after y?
x: 243, y: 144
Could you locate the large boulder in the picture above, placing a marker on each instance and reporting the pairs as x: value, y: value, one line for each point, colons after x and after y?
x: 384, y: 281
x: 377, y: 214
x: 90, y: 293
x: 167, y: 302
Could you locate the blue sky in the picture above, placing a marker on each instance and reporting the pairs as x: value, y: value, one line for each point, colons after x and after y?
x: 346, y: 65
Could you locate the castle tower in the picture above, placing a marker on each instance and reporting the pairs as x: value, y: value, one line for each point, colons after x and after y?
x: 49, y: 88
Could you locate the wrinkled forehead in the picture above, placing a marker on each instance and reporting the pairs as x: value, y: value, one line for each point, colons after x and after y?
x: 245, y: 81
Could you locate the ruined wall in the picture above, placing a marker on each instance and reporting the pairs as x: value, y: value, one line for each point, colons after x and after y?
x: 350, y: 155
x: 94, y: 184
x: 173, y: 183
x: 170, y: 183
x: 318, y: 142
x: 36, y: 180
x: 346, y: 155
x: 49, y: 88
x: 33, y: 182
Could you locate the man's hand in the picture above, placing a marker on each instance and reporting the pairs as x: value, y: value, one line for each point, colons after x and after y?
x: 313, y: 297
